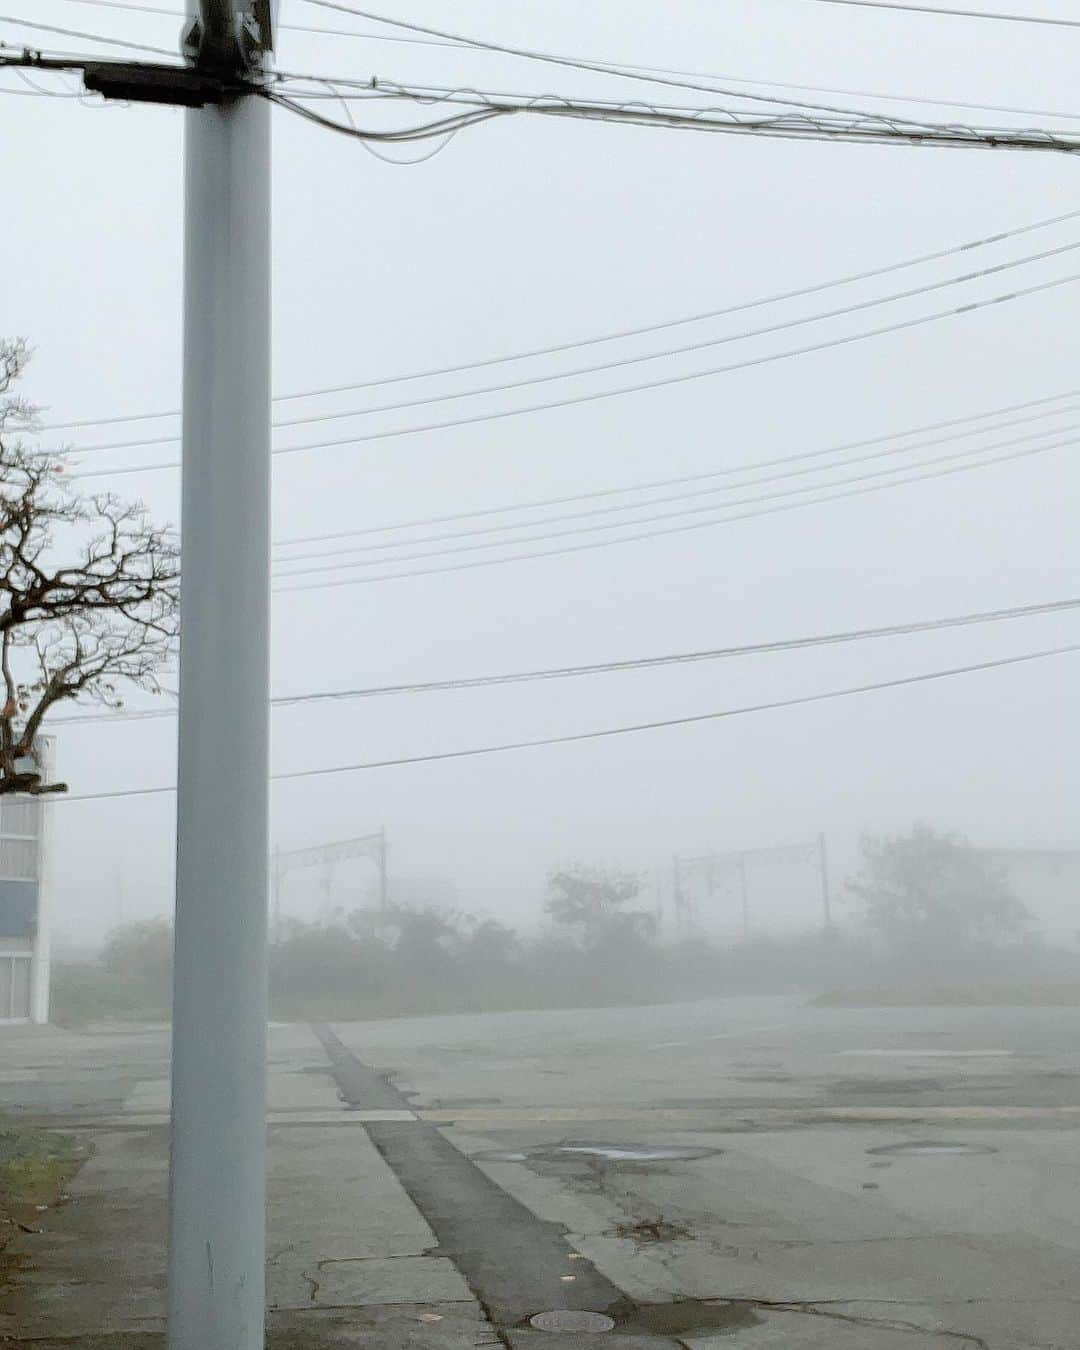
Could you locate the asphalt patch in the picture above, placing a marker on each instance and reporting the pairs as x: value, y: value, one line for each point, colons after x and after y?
x: 886, y: 1087
x: 648, y: 1231
x: 930, y: 1148
x: 515, y: 1263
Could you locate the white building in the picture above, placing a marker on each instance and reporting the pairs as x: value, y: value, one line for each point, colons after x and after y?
x: 24, y: 933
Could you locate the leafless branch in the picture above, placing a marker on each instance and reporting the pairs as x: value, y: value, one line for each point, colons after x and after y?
x: 89, y: 589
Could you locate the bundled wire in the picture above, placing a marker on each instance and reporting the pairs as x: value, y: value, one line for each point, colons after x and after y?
x: 790, y: 122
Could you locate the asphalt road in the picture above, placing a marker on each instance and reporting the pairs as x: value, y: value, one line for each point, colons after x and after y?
x: 741, y: 1174
x: 909, y: 1166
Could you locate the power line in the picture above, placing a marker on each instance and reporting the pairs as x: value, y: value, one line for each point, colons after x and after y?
x: 404, y: 134
x: 610, y: 667
x: 620, y: 65
x: 693, y: 495
x: 621, y: 363
x: 941, y: 9
x: 367, y: 90
x: 552, y: 58
x: 978, y: 451
x: 537, y: 503
x: 946, y: 424
x: 631, y: 729
x: 86, y: 37
x: 545, y: 534
x: 600, y: 395
x: 615, y: 334
x: 849, y: 127
x: 334, y: 583
x: 41, y: 93
x: 629, y: 70
x: 722, y: 519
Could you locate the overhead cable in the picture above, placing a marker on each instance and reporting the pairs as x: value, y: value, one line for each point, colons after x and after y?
x: 622, y: 363
x: 367, y: 579
x: 611, y: 667
x: 86, y: 37
x: 996, y: 15
x: 367, y: 90
x: 552, y: 58
x: 863, y: 128
x: 620, y: 508
x: 644, y: 386
x: 543, y: 533
x: 613, y: 335
x: 726, y: 471
x: 607, y: 732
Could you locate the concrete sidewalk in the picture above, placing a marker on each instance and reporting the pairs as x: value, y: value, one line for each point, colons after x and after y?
x: 351, y: 1262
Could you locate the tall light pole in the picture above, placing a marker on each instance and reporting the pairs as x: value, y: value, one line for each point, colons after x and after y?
x: 823, y: 871
x: 218, y: 1167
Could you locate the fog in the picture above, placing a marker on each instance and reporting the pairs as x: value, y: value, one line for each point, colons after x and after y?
x: 522, y: 234
x: 677, y: 989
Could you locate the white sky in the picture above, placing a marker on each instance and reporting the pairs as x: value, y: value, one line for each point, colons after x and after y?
x: 530, y: 232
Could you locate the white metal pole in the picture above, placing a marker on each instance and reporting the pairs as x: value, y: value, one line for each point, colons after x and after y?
x: 275, y: 893
x: 218, y: 1175
x: 823, y: 866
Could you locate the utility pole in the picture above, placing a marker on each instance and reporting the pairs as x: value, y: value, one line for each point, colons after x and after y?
x: 826, y: 903
x: 384, y: 882
x: 218, y: 1173
x: 744, y: 896
x: 677, y: 895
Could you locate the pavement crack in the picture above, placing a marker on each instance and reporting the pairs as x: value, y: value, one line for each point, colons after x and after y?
x: 314, y: 1286
x: 828, y: 1308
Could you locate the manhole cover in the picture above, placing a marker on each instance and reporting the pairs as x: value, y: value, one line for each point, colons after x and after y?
x: 929, y: 1148
x: 632, y: 1153
x: 571, y: 1319
x: 624, y: 1152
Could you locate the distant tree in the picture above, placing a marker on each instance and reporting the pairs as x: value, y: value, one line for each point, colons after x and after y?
x: 428, y: 939
x: 490, y: 944
x: 594, y: 902
x: 928, y: 891
x: 89, y: 589
x: 141, y: 954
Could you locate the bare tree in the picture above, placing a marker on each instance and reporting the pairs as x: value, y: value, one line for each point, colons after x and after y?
x: 89, y: 589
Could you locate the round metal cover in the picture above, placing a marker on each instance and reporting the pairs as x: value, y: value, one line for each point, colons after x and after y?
x: 930, y: 1148
x: 571, y: 1319
x: 628, y: 1152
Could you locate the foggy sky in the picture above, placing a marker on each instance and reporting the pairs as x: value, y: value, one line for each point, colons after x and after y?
x: 523, y: 233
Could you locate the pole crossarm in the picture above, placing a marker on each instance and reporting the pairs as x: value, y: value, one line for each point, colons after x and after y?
x: 230, y: 35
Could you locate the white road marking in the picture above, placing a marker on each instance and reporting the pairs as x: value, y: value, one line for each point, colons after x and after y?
x: 936, y: 1054
x: 342, y: 1116
x: 721, y: 1036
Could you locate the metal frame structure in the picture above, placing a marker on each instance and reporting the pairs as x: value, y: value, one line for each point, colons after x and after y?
x: 327, y: 856
x: 710, y: 867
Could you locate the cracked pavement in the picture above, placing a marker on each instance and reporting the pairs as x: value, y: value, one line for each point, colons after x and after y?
x: 435, y: 1207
